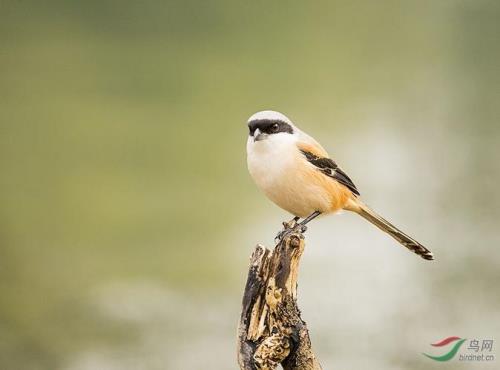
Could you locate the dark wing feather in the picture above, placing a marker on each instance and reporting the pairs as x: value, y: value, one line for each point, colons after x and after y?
x: 330, y: 168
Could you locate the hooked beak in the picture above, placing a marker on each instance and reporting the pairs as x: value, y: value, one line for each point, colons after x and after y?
x: 258, y: 136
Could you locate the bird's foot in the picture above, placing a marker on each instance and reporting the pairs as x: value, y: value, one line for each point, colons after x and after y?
x: 290, y: 227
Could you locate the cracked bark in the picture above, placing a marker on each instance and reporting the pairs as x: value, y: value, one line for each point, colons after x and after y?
x: 271, y: 331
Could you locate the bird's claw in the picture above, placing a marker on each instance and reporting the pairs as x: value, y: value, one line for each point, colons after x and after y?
x: 290, y: 227
x: 287, y: 226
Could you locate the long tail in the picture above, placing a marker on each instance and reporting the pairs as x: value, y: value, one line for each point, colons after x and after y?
x: 384, y: 225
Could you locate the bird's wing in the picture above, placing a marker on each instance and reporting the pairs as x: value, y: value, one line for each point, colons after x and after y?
x: 313, y: 147
x: 327, y: 166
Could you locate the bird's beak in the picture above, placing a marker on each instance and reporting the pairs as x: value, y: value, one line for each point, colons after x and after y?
x: 258, y: 136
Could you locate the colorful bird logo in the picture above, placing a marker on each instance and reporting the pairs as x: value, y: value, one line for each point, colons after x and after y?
x: 453, y: 351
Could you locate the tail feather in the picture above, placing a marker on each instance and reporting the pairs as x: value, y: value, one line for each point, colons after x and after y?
x: 393, y: 231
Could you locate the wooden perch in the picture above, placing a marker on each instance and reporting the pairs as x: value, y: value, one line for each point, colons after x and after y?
x: 271, y: 331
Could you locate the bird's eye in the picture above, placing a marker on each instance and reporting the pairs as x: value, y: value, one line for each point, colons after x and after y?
x: 275, y: 127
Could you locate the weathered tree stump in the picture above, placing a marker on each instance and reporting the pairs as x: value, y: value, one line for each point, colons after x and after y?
x: 271, y: 331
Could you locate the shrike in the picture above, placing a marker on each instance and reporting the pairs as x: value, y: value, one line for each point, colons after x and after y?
x: 296, y: 173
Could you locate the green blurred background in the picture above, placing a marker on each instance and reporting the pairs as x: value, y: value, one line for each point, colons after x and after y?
x: 127, y: 214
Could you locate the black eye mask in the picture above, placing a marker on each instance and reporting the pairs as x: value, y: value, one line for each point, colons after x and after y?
x: 267, y: 126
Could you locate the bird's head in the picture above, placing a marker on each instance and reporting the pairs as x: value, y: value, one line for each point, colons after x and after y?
x: 269, y: 125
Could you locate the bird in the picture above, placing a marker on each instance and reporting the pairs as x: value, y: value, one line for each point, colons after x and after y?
x: 296, y: 173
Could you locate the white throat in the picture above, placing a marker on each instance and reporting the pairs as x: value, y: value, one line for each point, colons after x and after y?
x: 270, y: 158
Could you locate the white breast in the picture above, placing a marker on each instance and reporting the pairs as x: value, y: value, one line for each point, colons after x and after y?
x: 270, y: 159
x: 281, y: 172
